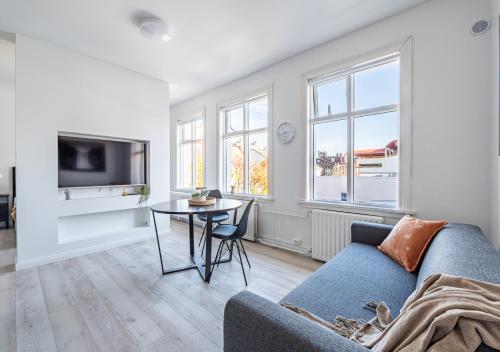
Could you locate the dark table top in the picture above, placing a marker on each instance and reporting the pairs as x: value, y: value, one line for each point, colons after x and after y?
x: 182, y: 206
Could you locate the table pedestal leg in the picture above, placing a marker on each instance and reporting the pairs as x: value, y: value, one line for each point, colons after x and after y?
x: 158, y: 241
x: 235, y: 218
x: 182, y: 268
x: 191, y: 235
x: 208, y: 250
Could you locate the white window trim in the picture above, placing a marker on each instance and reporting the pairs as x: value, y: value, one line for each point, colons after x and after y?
x: 200, y: 115
x: 221, y: 107
x: 404, y: 48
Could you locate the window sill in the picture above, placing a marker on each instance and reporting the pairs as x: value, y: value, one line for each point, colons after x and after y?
x: 183, y: 191
x: 187, y: 192
x: 356, y: 208
x: 248, y: 197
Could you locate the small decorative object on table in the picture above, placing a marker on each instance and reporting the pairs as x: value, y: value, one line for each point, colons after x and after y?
x: 200, y: 198
x: 201, y: 195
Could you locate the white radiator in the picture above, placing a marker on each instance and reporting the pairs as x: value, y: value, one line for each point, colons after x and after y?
x: 331, y: 231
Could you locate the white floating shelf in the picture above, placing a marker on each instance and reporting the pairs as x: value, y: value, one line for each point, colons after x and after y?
x: 96, y: 205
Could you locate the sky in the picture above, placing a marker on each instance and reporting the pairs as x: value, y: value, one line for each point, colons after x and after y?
x: 257, y: 115
x: 378, y: 86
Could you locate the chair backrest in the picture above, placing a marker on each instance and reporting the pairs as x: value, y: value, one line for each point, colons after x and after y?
x: 215, y: 193
x: 242, y: 226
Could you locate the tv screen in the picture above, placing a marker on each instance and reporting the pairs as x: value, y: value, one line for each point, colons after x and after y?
x: 87, y: 162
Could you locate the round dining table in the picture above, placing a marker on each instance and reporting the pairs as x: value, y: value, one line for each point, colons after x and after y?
x: 182, y: 207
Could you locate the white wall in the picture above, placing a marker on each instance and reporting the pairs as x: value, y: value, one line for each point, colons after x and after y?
x: 59, y: 90
x: 451, y: 116
x: 495, y: 148
x: 7, y: 113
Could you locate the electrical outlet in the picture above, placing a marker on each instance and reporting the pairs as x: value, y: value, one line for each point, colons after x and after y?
x: 297, y: 242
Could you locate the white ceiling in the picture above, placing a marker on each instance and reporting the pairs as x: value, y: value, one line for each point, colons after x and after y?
x: 214, y: 42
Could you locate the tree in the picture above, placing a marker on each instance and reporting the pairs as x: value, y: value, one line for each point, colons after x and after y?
x: 258, y: 171
x: 237, y: 167
x: 199, y: 165
x: 258, y: 178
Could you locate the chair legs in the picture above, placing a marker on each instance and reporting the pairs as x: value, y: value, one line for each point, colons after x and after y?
x: 245, y: 253
x: 202, y: 234
x: 241, y: 263
x: 218, y: 255
x: 203, y: 248
x: 224, y: 251
x: 229, y: 248
x: 201, y: 239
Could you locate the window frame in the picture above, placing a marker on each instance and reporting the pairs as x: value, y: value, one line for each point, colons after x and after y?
x: 245, y: 133
x: 200, y: 116
x: 401, y: 50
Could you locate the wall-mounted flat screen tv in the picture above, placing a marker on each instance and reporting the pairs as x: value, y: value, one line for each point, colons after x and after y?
x: 88, y: 162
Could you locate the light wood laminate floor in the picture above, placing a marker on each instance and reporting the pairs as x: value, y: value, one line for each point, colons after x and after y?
x: 117, y: 300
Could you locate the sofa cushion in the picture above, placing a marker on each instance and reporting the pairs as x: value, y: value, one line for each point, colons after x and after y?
x: 408, y: 240
x: 461, y: 250
x: 358, y: 274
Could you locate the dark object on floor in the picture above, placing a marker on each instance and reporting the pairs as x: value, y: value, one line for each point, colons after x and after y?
x: 4, y: 210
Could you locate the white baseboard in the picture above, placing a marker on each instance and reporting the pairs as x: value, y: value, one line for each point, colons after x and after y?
x: 282, y: 245
x: 83, y: 251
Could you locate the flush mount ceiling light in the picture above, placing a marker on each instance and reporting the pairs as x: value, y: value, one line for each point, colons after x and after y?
x: 155, y: 28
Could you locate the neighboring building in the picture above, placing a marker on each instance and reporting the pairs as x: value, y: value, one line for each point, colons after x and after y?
x: 372, y: 162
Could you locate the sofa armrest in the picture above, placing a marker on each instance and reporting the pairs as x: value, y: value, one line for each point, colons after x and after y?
x: 369, y: 232
x: 253, y: 323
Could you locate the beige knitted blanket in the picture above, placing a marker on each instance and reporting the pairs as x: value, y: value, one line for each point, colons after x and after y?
x: 446, y: 313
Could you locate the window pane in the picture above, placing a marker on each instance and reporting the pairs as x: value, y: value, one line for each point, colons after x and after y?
x: 199, y: 164
x: 331, y: 98
x: 186, y: 163
x: 198, y: 129
x: 376, y: 159
x: 257, y: 114
x: 235, y: 169
x: 377, y: 86
x: 330, y: 166
x: 186, y: 131
x: 258, y: 163
x: 234, y: 119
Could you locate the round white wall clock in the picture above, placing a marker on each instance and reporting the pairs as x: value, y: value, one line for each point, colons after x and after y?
x: 285, y: 132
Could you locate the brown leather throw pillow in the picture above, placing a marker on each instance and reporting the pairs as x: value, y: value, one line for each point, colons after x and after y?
x: 408, y: 240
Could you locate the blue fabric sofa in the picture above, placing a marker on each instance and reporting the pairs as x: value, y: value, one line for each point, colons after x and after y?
x: 358, y: 274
